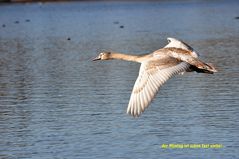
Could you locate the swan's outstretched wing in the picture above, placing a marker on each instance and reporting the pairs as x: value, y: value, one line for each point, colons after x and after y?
x: 175, y: 43
x: 186, y: 56
x: 150, y: 79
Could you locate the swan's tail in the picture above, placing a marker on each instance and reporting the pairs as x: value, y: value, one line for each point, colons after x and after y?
x: 204, y: 68
x: 211, y: 68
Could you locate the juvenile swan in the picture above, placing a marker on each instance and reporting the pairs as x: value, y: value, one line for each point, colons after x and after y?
x: 156, y: 68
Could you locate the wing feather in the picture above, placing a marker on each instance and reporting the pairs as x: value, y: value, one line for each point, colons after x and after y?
x: 187, y: 56
x: 148, y: 84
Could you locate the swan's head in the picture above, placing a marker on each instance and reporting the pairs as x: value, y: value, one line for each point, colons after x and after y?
x: 103, y: 56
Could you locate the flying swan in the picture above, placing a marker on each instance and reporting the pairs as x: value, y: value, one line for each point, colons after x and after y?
x: 156, y: 68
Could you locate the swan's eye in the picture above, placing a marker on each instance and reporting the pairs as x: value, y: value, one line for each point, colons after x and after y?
x: 169, y: 41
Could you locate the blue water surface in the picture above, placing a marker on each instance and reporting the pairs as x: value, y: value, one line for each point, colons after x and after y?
x: 56, y: 103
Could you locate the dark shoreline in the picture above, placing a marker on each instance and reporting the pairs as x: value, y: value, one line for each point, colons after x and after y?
x: 23, y: 1
x: 33, y: 1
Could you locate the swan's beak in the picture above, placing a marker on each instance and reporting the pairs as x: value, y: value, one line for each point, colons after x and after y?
x: 96, y: 59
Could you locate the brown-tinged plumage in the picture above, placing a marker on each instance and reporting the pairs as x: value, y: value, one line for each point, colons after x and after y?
x: 156, y: 68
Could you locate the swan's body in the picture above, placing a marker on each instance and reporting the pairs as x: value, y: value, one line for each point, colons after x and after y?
x: 156, y: 68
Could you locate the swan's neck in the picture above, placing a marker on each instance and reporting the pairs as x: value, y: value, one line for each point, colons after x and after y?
x: 125, y: 57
